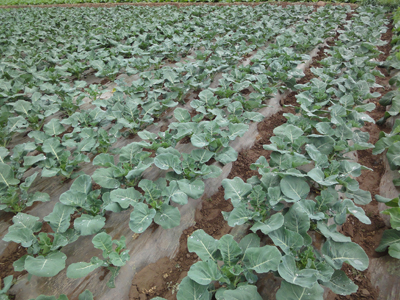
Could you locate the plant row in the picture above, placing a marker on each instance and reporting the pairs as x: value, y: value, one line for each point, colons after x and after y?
x: 390, y: 144
x: 306, y: 188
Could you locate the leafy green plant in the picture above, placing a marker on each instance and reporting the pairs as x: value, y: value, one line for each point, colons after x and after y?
x: 390, y: 238
x: 113, y: 259
x: 14, y: 197
x: 6, y: 286
x: 191, y: 167
x: 44, y: 258
x: 155, y: 205
x: 162, y: 139
x: 230, y: 263
x: 132, y: 163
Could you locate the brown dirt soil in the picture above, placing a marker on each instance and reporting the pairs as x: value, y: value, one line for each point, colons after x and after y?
x: 284, y: 4
x: 12, y: 253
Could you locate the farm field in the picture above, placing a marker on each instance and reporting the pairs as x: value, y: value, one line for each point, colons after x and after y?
x: 199, y: 152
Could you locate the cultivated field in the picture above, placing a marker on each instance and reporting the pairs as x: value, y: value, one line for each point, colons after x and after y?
x: 199, y: 152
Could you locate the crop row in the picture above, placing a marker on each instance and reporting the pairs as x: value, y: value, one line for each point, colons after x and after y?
x: 390, y: 143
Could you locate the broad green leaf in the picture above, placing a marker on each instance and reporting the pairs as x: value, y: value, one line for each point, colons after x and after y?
x: 250, y: 240
x: 318, y: 176
x: 31, y: 160
x: 23, y: 107
x: 147, y: 135
x: 82, y: 269
x: 72, y: 198
x: 394, y: 213
x: 290, y: 131
x: 191, y: 290
x: 297, y: 220
x: 239, y: 215
x: 394, y: 250
x: 309, y: 207
x: 86, y: 295
x: 360, y: 197
x: 119, y: 260
x: 86, y: 145
x: 166, y: 161
x: 201, y: 155
x: 175, y: 194
x: 103, y: 241
x: 236, y: 130
x: 243, y: 292
x: 388, y: 201
x: 273, y: 223
x: 199, y: 140
x: 46, y: 266
x: 204, y: 272
x: 15, y: 123
x: 214, y: 172
x: 60, y: 217
x: 7, y: 282
x: 323, y: 144
x: 82, y: 184
x: 168, y: 216
x: 294, y: 188
x: 182, y: 115
x: 125, y: 197
x: 141, y: 217
x: 105, y: 178
x: 262, y: 259
x: 389, y: 237
x: 7, y: 176
x: 22, y: 221
x: 226, y: 155
x: 341, y: 284
x: 23, y: 236
x: 290, y: 291
x: 194, y: 189
x: 393, y: 155
x: 288, y: 270
x: 88, y: 225
x: 338, y: 253
x: 53, y: 147
x: 230, y: 249
x: 38, y: 196
x: 356, y: 211
x: 53, y: 128
x: 236, y: 189
x: 287, y: 239
x: 204, y: 245
x: 331, y: 232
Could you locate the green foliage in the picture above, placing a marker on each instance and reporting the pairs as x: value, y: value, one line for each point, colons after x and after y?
x: 113, y: 259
